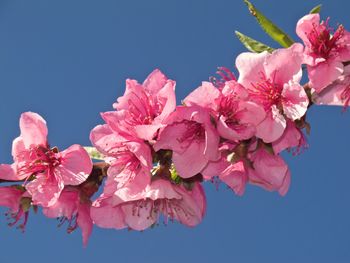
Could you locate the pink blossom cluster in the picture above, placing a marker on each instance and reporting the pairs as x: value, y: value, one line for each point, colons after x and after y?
x: 157, y: 154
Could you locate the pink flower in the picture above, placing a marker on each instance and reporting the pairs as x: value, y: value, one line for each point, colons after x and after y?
x: 269, y: 171
x: 325, y: 50
x: 236, y: 116
x: 143, y: 209
x: 72, y: 208
x: 130, y: 160
x: 18, y: 202
x: 192, y: 138
x: 51, y: 170
x: 272, y: 80
x: 141, y: 110
x: 338, y: 93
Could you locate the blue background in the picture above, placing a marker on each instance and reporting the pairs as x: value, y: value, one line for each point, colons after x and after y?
x: 68, y: 61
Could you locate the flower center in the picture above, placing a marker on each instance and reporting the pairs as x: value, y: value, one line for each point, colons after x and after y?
x: 144, y: 109
x: 37, y: 159
x: 194, y: 131
x: 267, y: 92
x: 323, y: 42
x: 229, y: 108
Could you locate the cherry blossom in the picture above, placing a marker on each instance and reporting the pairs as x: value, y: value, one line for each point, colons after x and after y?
x: 140, y: 112
x: 274, y: 84
x: 325, y: 50
x: 192, y: 138
x: 143, y: 210
x: 45, y: 170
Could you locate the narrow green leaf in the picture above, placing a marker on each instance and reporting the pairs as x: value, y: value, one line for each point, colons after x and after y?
x: 252, y: 44
x: 270, y: 28
x: 316, y: 9
x: 93, y: 153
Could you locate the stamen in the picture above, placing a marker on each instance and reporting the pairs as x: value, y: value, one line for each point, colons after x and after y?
x: 267, y: 92
x: 324, y: 42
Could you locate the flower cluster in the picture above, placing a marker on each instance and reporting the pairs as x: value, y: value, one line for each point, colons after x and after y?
x: 156, y: 155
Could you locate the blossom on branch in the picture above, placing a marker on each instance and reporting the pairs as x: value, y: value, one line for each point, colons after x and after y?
x: 45, y: 170
x: 325, y: 50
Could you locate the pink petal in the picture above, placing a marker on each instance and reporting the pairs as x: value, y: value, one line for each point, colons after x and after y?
x: 305, y: 25
x: 295, y: 101
x: 169, y: 138
x: 285, y: 185
x: 324, y: 74
x: 10, y: 197
x: 155, y: 81
x: 103, y: 138
x: 76, y: 165
x: 133, y: 92
x: 119, y: 177
x: 250, y: 113
x: 250, y: 66
x: 8, y: 172
x: 147, y: 132
x: 214, y: 168
x: 290, y: 138
x: 192, y: 206
x: 191, y: 161
x: 203, y: 96
x: 332, y: 95
x: 211, y: 143
x: 270, y: 171
x: 233, y: 87
x: 106, y: 216
x: 272, y: 127
x: 168, y: 92
x: 116, y: 122
x: 344, y: 53
x: 281, y: 72
x: 142, y: 151
x: 236, y: 133
x: 33, y: 129
x: 84, y: 221
x: 235, y: 176
x: 18, y: 148
x: 45, y: 189
x: 65, y: 206
x: 143, y: 218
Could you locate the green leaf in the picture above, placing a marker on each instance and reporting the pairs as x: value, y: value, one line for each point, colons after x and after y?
x: 316, y: 9
x: 93, y: 153
x: 252, y: 44
x: 270, y: 28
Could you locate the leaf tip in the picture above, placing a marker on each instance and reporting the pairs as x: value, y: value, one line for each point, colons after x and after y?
x: 316, y: 9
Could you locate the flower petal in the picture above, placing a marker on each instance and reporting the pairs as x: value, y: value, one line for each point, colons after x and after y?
x: 191, y: 161
x: 324, y: 74
x: 305, y: 25
x: 33, y: 129
x: 295, y: 101
x: 45, y: 189
x: 204, y: 96
x: 272, y: 127
x: 281, y: 72
x: 76, y: 165
x: 250, y: 66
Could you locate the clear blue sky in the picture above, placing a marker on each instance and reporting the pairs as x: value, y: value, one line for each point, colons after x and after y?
x: 68, y: 60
